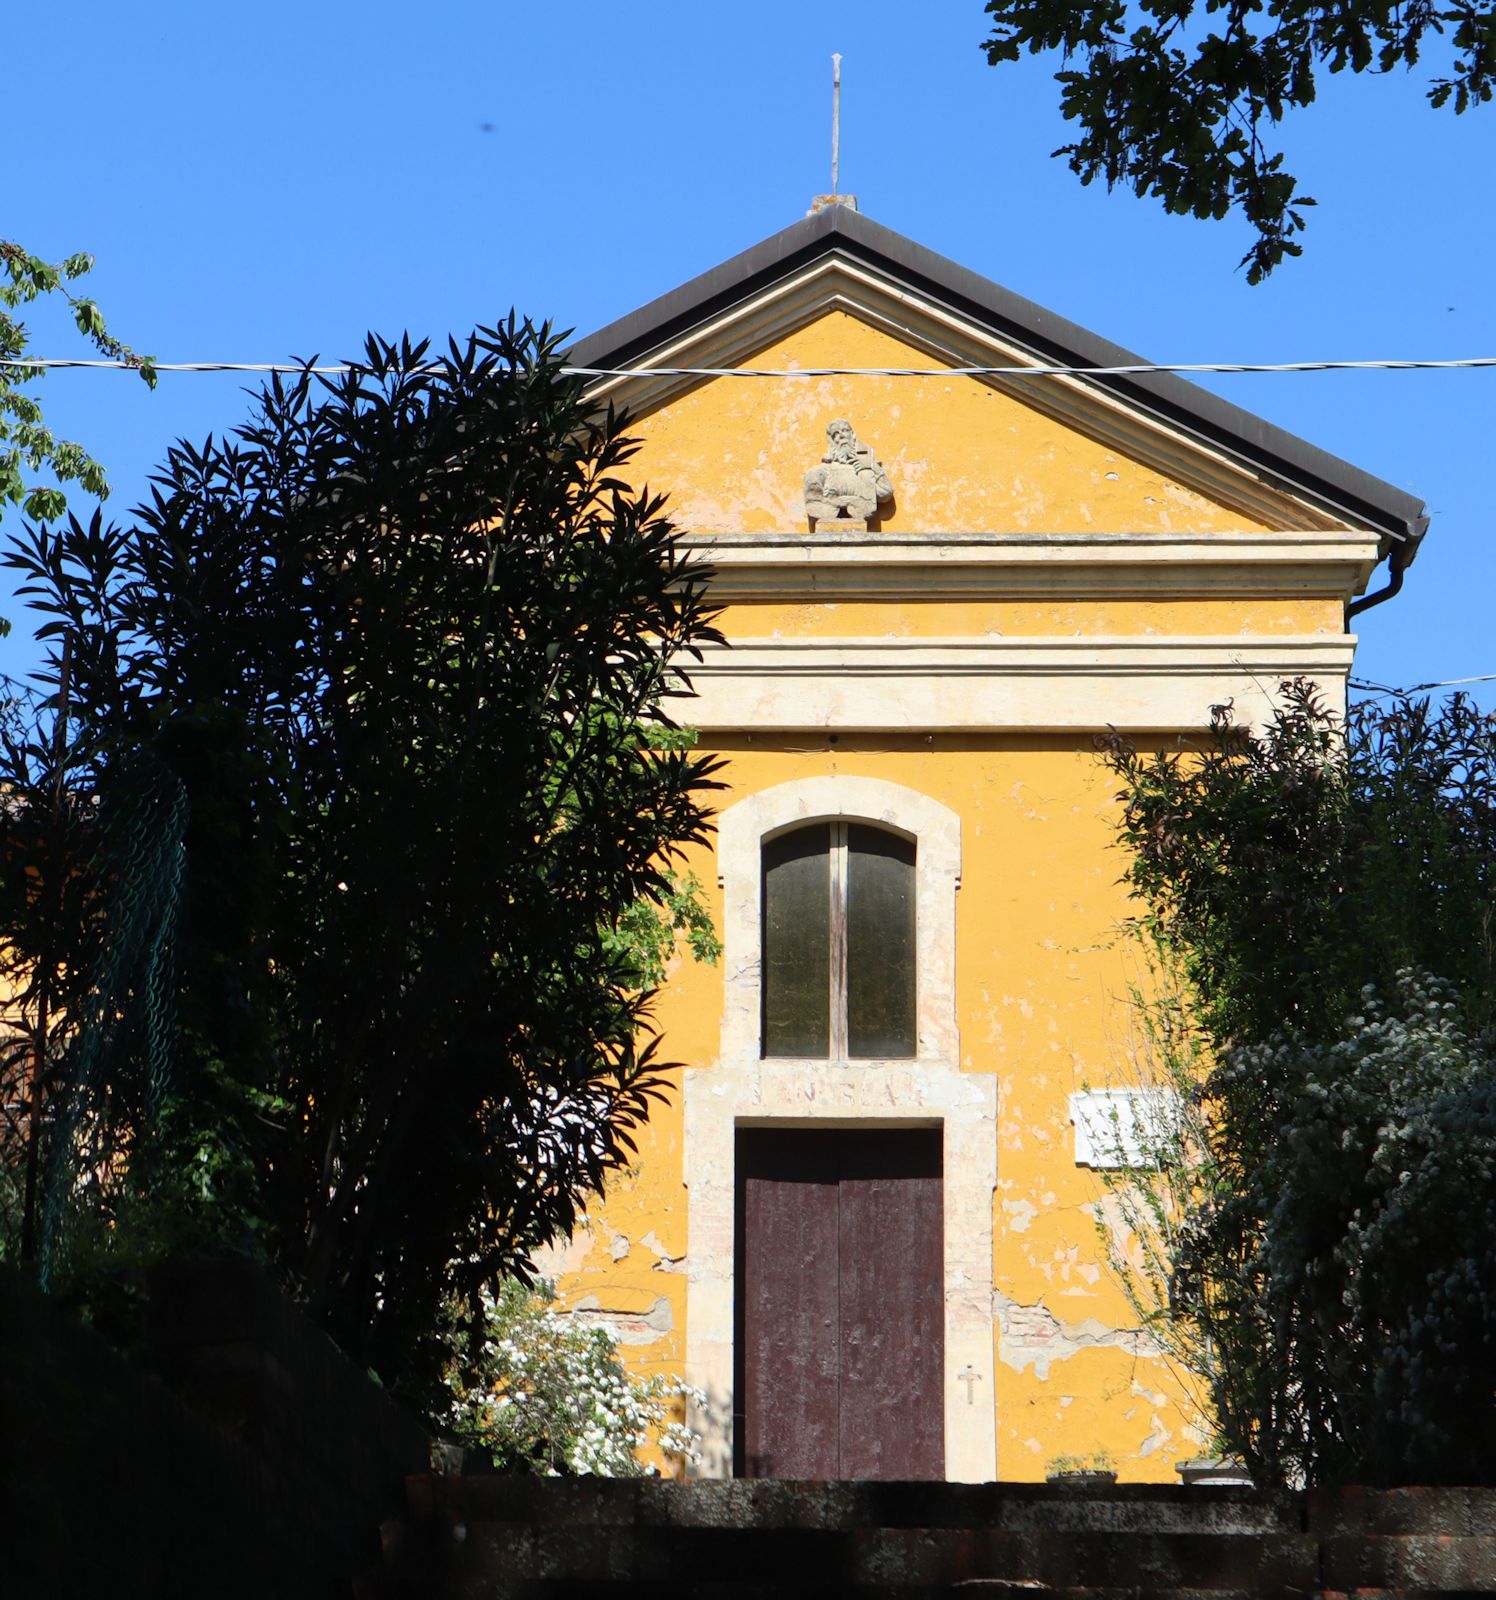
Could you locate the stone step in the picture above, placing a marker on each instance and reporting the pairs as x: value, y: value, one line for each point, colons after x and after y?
x: 1437, y: 1563
x: 839, y: 1506
x: 494, y: 1536
x: 904, y: 1556
x: 482, y: 1588
x: 1455, y: 1511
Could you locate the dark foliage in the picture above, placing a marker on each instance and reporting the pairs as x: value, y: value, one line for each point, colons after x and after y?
x: 400, y: 640
x: 1345, y: 1256
x: 1337, y: 1255
x: 1293, y: 867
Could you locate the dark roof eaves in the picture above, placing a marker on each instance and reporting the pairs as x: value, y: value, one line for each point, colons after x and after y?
x: 1292, y: 460
x: 696, y: 300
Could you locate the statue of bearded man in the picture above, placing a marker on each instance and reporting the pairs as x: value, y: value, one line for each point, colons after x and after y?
x: 850, y: 480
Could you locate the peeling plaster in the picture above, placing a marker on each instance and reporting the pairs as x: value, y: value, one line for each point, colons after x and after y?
x: 627, y: 1327
x: 1032, y: 1336
x: 553, y: 1261
x: 1020, y: 1214
x: 665, y: 1262
x: 1158, y: 1439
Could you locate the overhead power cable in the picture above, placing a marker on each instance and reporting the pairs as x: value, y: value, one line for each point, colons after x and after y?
x: 1380, y: 689
x: 1135, y: 369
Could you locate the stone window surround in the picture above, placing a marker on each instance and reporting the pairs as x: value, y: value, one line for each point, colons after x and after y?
x: 746, y: 1090
x: 936, y: 830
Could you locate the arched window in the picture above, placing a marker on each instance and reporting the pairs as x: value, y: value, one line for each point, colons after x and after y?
x: 839, y: 943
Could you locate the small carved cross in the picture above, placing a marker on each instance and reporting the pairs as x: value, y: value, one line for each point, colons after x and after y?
x: 970, y: 1377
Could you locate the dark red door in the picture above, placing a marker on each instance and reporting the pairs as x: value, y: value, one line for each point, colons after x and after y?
x: 839, y: 1306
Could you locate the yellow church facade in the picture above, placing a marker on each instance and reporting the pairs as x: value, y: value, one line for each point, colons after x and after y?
x: 865, y: 1223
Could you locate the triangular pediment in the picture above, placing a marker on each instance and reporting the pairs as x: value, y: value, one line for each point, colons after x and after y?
x: 965, y: 454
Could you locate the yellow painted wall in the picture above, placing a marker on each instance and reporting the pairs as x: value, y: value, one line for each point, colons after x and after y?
x: 962, y: 457
x: 1039, y: 976
x: 1041, y: 972
x: 1016, y: 619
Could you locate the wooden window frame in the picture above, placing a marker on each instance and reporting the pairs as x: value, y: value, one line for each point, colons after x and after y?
x: 838, y: 951
x: 838, y: 875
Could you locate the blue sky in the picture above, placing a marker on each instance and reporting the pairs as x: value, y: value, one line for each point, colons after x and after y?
x: 270, y: 182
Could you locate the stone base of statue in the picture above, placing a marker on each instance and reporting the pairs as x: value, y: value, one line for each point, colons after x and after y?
x: 826, y: 516
x: 832, y: 520
x: 824, y: 507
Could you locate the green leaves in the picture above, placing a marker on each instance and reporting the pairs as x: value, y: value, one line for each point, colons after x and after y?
x: 1189, y: 124
x: 24, y: 441
x: 86, y: 315
x: 1367, y: 1217
x: 644, y: 937
x: 1336, y: 1249
x: 1292, y: 866
x: 404, y: 639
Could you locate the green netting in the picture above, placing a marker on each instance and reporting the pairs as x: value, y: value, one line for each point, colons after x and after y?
x: 120, y: 1039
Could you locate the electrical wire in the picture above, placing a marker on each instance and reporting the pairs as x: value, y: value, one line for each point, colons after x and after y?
x: 1136, y: 369
x: 1378, y: 690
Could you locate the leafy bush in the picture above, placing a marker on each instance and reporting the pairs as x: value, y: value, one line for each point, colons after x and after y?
x: 1287, y: 868
x: 1364, y: 1240
x: 544, y: 1393
x: 1318, y: 1244
x: 384, y: 678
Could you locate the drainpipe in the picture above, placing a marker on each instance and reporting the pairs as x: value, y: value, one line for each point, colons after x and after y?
x: 1399, y: 559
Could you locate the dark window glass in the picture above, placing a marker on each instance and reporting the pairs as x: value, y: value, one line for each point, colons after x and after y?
x: 880, y: 943
x: 839, y: 944
x: 797, y: 943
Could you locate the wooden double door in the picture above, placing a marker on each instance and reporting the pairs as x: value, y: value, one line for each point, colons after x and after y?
x: 839, y: 1305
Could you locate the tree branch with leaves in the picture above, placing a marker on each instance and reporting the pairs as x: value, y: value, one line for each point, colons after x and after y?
x: 26, y: 443
x: 1180, y: 100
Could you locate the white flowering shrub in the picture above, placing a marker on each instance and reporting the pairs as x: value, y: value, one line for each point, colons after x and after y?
x: 544, y: 1393
x: 1362, y: 1242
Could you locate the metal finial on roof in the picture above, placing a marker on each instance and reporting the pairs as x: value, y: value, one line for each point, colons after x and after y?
x: 835, y: 122
x: 835, y: 198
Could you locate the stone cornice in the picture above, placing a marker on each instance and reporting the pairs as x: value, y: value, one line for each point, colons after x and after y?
x: 938, y: 566
x: 995, y: 684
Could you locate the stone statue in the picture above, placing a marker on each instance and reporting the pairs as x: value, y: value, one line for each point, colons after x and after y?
x: 849, y: 482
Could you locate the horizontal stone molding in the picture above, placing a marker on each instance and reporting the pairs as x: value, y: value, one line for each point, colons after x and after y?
x: 997, y: 684
x: 962, y: 566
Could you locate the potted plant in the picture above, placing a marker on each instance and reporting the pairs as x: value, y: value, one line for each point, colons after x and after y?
x: 1213, y: 1472
x: 1094, y: 1471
